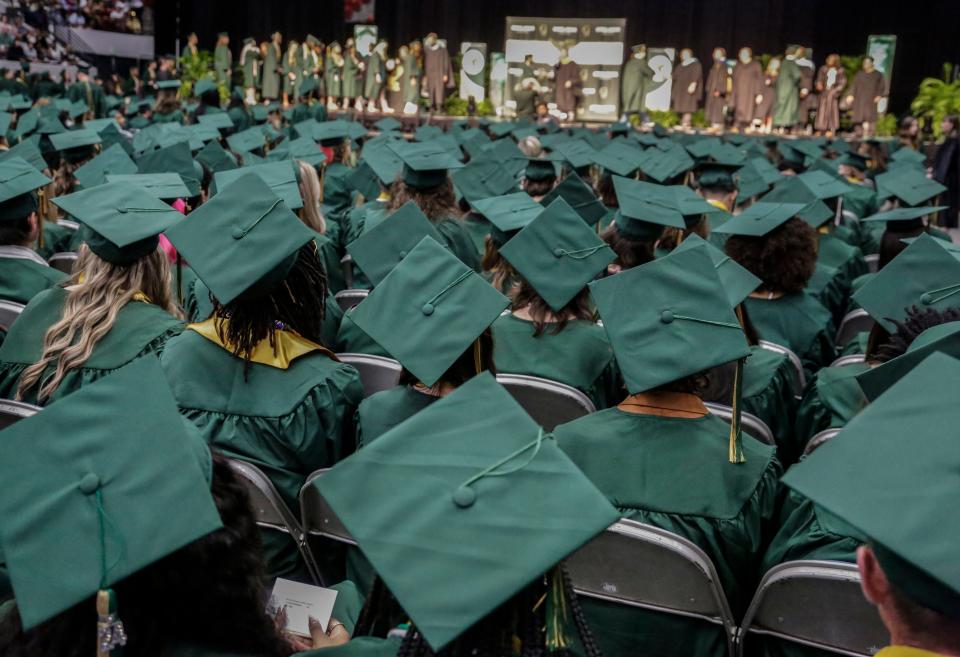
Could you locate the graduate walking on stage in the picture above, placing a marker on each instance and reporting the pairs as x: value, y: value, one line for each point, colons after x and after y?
x: 271, y: 68
x: 251, y: 65
x: 787, y: 106
x: 223, y: 59
x: 333, y: 74
x: 635, y: 82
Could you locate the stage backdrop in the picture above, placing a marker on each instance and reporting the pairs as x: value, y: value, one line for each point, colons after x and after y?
x: 596, y: 44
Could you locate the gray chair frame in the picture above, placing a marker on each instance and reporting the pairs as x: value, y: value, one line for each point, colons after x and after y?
x: 549, y: 403
x: 346, y: 266
x: 849, y: 359
x: 316, y: 516
x: 818, y: 439
x: 271, y: 511
x: 750, y: 423
x: 376, y: 372
x: 63, y: 261
x: 639, y: 565
x: 873, y: 262
x: 67, y: 223
x: 801, y: 381
x: 817, y: 604
x: 9, y: 312
x: 14, y: 411
x: 854, y: 322
x: 347, y: 299
x: 20, y: 253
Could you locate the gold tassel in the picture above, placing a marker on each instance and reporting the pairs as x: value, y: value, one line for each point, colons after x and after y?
x: 44, y: 207
x: 556, y: 638
x: 735, y: 450
x: 110, y: 632
x: 477, y: 356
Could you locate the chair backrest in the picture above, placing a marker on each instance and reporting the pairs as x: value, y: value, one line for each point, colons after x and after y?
x: 818, y: 439
x: 9, y: 311
x: 749, y: 423
x: 316, y: 516
x: 67, y: 223
x: 854, y: 322
x: 20, y: 253
x: 849, y: 359
x: 376, y: 372
x: 269, y: 509
x: 549, y: 403
x: 64, y: 261
x: 873, y: 262
x: 346, y: 266
x: 817, y: 604
x: 800, y: 382
x: 13, y: 411
x: 638, y: 565
x: 347, y: 299
x: 849, y: 217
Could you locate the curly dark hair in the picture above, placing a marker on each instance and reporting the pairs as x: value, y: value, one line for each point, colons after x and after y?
x: 299, y: 303
x: 522, y: 617
x: 577, y: 308
x: 784, y: 259
x: 630, y: 252
x: 438, y: 203
x: 171, y: 601
x: 917, y: 321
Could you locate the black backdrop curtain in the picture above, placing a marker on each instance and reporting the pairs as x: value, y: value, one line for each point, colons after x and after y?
x: 926, y: 29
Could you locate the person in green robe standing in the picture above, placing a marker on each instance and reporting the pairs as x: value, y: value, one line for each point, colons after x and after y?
x: 550, y: 331
x: 333, y: 74
x: 700, y: 478
x: 374, y: 76
x: 281, y: 400
x: 117, y: 307
x: 292, y: 72
x: 272, y: 65
x: 23, y: 273
x: 251, y: 64
x: 351, y: 74
x: 410, y: 78
x: 223, y: 60
x: 636, y: 81
x: 786, y: 113
x: 89, y: 92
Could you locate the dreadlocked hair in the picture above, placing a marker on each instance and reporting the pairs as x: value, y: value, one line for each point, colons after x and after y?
x: 91, y: 310
x: 437, y: 203
x: 916, y: 322
x: 298, y: 303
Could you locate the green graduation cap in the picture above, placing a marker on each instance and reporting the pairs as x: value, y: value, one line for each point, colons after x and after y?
x: 908, y: 155
x: 645, y: 209
x: 867, y: 476
x: 508, y: 214
x: 513, y: 492
x: 750, y: 183
x: 506, y: 153
x: 501, y: 129
x: 219, y: 120
x: 302, y: 148
x: 428, y: 310
x: 387, y: 124
x: 82, y: 514
x: 281, y: 177
x: 202, y: 133
x: 20, y: 102
x: 365, y: 180
x: 331, y: 133
x: 250, y: 139
x: 577, y: 153
x: 792, y: 190
x: 542, y: 167
x: 259, y: 113
x: 76, y: 143
x: 925, y: 274
x: 760, y: 218
x: 113, y: 160
x: 172, y: 159
x: 943, y: 338
x: 807, y: 148
x: 715, y: 174
x: 558, y: 254
x: 905, y: 214
x: 425, y: 164
x: 579, y: 196
x: 766, y: 170
x: 909, y: 185
x: 50, y: 126
x: 204, y: 85
x: 244, y: 238
x: 484, y: 179
x: 164, y: 186
x: 98, y: 125
x: 823, y: 185
x: 29, y: 151
x: 18, y: 180
x: 168, y: 84
x: 427, y: 132
x: 619, y: 158
x: 121, y: 221
x: 737, y: 281
x: 383, y: 160
x: 382, y: 246
x: 6, y: 118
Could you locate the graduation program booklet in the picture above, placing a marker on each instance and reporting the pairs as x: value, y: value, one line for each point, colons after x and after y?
x: 302, y: 601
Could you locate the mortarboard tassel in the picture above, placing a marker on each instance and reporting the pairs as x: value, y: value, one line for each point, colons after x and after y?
x: 735, y: 451
x: 110, y: 632
x: 556, y: 638
x: 477, y: 356
x: 44, y: 208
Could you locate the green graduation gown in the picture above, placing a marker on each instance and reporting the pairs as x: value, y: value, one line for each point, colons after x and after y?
x: 831, y: 400
x: 337, y: 191
x: 674, y: 473
x: 222, y: 61
x: 288, y: 422
x: 787, y: 111
x: 455, y: 234
x: 22, y: 278
x: 271, y: 76
x: 636, y: 82
x: 375, y: 67
x: 580, y: 356
x: 351, y: 79
x: 57, y: 238
x: 332, y: 76
x: 768, y: 393
x: 799, y: 322
x: 478, y: 228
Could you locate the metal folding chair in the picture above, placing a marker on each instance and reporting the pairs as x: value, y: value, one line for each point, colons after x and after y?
x: 347, y: 299
x: 64, y: 261
x: 849, y: 359
x: 13, y: 411
x: 549, y: 403
x: 376, y: 372
x: 9, y: 311
x: 316, y: 516
x: 801, y: 381
x: 818, y: 439
x: 346, y: 266
x: 854, y: 322
x: 751, y: 424
x: 873, y: 262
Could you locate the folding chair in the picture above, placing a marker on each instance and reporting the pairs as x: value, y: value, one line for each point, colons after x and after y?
x: 9, y: 311
x: 316, y: 516
x: 849, y: 217
x: 347, y: 299
x: 20, y: 253
x: 817, y: 604
x: 751, y: 424
x: 818, y: 439
x: 271, y: 512
x: 13, y: 411
x: 849, y: 359
x: 549, y: 403
x: 376, y: 372
x: 63, y: 261
x: 854, y: 322
x: 66, y: 223
x: 346, y: 266
x: 801, y: 381
x: 638, y: 565
x: 873, y: 262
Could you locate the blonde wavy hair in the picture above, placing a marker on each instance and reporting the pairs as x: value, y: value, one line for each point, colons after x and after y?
x: 90, y: 311
x: 311, y: 190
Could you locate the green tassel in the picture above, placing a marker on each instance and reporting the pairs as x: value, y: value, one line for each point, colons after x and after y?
x: 735, y: 451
